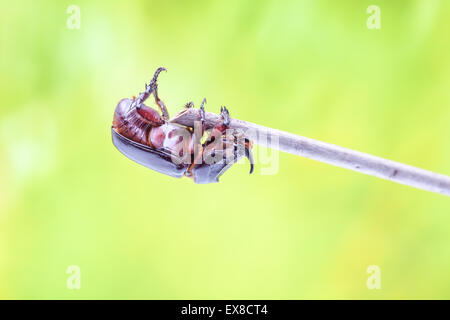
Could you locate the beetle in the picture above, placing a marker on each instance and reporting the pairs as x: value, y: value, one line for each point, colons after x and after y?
x: 148, y: 138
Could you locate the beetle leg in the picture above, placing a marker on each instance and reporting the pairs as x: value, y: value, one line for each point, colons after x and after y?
x: 157, y: 72
x: 225, y: 116
x: 220, y: 129
x: 198, y: 135
x: 215, y: 137
x: 198, y: 155
x: 161, y: 105
x: 197, y: 146
x: 203, y: 116
x: 158, y: 101
x: 149, y: 89
x: 248, y: 154
x: 188, y: 105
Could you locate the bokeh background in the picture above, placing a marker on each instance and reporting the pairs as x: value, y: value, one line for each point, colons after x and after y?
x: 68, y: 197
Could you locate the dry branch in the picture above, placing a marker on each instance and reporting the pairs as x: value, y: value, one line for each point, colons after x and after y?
x: 328, y: 153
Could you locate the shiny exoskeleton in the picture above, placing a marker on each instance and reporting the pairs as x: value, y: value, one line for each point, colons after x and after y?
x: 145, y: 136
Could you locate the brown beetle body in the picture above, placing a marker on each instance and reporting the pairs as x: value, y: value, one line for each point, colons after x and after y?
x: 130, y: 123
x: 146, y: 137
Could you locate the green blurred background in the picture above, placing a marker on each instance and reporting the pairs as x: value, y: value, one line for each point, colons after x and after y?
x: 68, y: 197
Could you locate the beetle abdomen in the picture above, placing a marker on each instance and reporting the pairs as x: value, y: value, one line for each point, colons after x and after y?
x: 157, y: 160
x: 129, y: 123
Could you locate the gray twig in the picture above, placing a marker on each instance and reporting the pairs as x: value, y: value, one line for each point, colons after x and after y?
x: 328, y: 153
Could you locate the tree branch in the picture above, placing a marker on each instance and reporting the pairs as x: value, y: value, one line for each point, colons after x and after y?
x: 328, y: 153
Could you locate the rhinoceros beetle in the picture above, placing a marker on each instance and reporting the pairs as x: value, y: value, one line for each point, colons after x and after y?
x: 148, y: 138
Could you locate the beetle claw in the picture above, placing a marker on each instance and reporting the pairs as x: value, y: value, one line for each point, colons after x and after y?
x: 157, y: 72
x: 203, y: 102
x: 225, y: 115
x: 153, y: 85
x: 202, y: 108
